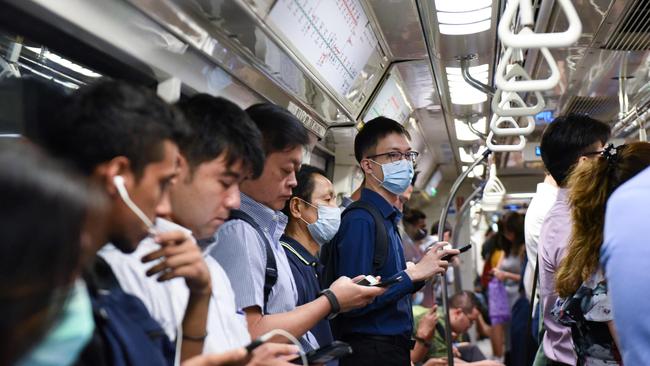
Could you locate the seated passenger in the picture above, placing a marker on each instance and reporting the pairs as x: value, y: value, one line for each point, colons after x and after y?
x: 585, y: 304
x: 248, y: 246
x: 430, y: 335
x: 380, y: 332
x: 625, y: 259
x: 567, y: 142
x: 45, y: 217
x: 222, y: 150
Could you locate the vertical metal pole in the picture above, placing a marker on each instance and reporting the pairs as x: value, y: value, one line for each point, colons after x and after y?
x: 441, y: 230
x: 457, y: 226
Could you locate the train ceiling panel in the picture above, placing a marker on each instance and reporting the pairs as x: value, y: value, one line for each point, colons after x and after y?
x: 632, y: 33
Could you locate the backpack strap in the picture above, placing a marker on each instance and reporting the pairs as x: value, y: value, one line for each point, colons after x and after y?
x: 271, y: 270
x: 381, y: 235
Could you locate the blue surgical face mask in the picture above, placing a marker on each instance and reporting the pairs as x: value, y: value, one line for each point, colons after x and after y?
x: 327, y: 225
x: 69, y: 334
x: 397, y: 175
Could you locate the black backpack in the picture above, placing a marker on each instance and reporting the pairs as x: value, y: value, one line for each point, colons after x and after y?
x: 329, y: 253
x: 271, y: 271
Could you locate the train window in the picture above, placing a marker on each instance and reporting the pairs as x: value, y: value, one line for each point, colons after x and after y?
x: 31, y: 77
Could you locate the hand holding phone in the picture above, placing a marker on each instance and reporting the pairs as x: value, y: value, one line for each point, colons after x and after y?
x: 326, y: 354
x: 461, y: 250
x: 372, y: 281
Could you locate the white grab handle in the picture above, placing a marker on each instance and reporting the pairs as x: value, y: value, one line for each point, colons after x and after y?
x: 516, y: 111
x: 505, y: 148
x: 526, y: 85
x: 511, y: 131
x: 538, y: 40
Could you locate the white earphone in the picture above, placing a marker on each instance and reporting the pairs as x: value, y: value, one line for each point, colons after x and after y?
x: 118, y: 181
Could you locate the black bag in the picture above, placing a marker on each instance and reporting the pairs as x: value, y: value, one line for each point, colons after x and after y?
x: 125, y: 332
x: 271, y: 271
x: 328, y: 253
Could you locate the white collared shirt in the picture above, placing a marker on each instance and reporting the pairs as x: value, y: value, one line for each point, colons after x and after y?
x: 539, y: 206
x: 166, y: 301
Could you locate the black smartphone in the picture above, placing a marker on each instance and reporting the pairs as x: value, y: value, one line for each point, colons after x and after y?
x: 389, y: 283
x: 367, y: 281
x: 325, y: 354
x: 461, y: 250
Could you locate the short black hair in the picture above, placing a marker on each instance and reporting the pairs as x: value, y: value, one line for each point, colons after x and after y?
x: 568, y: 137
x: 220, y: 126
x: 305, y: 186
x: 374, y: 130
x: 110, y: 118
x: 412, y: 215
x: 280, y: 129
x: 434, y: 228
x: 37, y: 266
x: 464, y: 300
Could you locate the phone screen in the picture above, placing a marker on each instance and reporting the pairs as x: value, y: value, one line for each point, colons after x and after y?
x: 326, y: 354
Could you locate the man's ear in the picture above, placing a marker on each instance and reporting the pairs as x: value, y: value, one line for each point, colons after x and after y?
x: 366, y: 166
x: 105, y: 174
x: 294, y: 207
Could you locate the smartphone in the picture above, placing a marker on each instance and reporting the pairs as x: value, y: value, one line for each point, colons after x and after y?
x: 461, y: 250
x: 389, y: 283
x: 326, y: 354
x: 367, y: 281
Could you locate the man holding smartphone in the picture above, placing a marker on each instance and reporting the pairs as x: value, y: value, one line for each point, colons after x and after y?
x: 380, y: 333
x: 314, y: 219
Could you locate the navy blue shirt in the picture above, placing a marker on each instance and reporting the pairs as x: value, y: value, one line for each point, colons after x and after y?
x: 305, y: 268
x: 390, y: 313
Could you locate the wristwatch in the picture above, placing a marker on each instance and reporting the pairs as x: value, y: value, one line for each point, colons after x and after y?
x: 423, y: 341
x: 334, y: 303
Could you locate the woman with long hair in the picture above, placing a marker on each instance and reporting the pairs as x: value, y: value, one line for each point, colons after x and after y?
x: 583, y: 302
x: 508, y: 273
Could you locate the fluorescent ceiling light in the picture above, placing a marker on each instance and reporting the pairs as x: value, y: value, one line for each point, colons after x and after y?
x: 458, y: 17
x: 461, y: 5
x: 465, y: 17
x: 464, y: 29
x: 462, y: 93
x: 66, y: 63
x: 477, y: 172
x: 463, y: 133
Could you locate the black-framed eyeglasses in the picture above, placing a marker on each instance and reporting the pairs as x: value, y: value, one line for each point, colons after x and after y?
x: 395, y: 156
x: 590, y: 153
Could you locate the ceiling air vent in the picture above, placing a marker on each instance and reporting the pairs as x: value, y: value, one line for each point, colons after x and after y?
x: 632, y: 33
x: 602, y: 108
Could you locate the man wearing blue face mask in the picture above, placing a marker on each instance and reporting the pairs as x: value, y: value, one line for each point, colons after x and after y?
x: 314, y: 219
x: 380, y: 333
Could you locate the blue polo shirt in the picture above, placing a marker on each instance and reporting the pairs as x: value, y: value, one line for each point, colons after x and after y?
x: 625, y: 256
x: 305, y: 268
x: 391, y: 313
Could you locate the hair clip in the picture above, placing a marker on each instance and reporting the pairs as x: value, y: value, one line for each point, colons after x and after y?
x: 611, y: 153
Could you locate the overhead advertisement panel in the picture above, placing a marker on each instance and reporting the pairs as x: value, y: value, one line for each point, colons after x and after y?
x: 390, y: 102
x: 333, y: 36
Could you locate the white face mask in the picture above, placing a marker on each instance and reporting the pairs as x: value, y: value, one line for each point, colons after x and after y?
x: 327, y: 224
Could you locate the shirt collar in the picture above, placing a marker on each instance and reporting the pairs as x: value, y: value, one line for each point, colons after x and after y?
x: 301, y: 252
x: 273, y: 221
x: 562, y: 194
x: 387, y: 210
